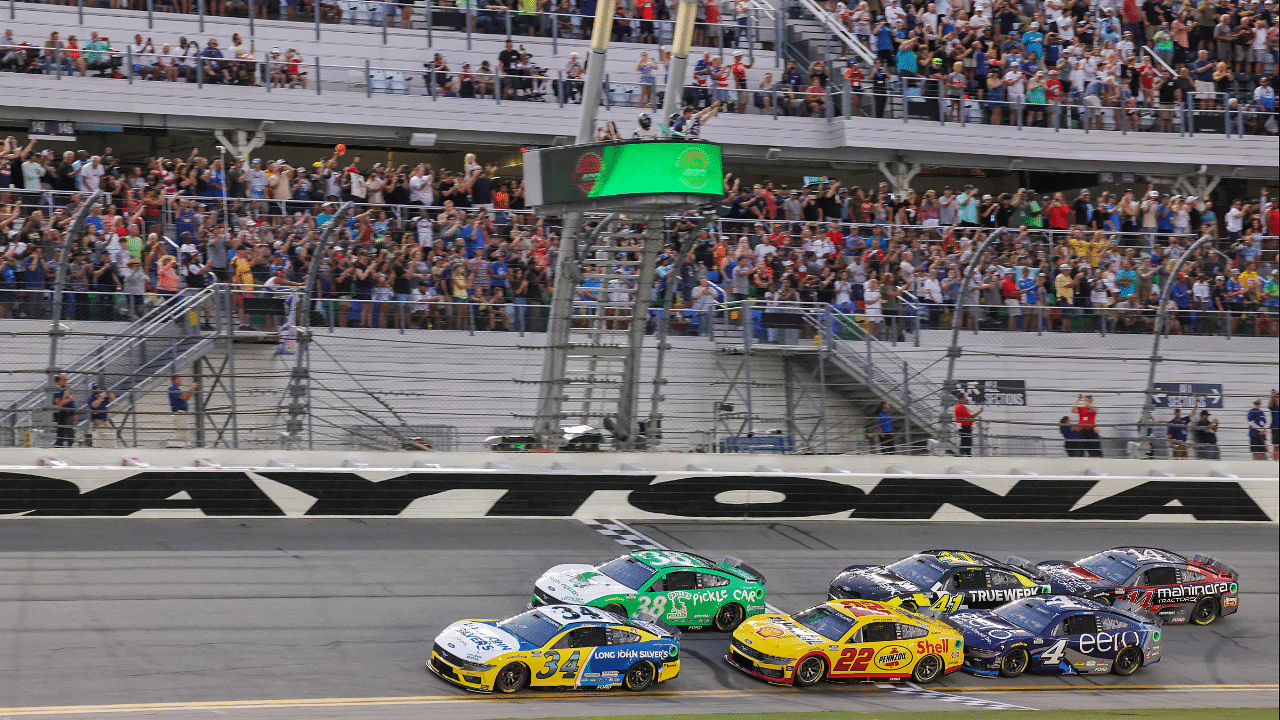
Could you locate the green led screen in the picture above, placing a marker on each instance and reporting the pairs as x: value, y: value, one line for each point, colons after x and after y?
x: 604, y: 170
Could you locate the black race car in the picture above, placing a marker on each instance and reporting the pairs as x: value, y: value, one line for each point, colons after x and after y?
x: 945, y: 580
x: 1176, y: 589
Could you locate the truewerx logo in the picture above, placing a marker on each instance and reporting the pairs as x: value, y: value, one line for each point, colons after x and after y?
x: 1006, y: 594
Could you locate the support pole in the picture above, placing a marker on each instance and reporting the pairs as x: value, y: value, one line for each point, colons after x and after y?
x: 600, y: 34
x: 299, y: 382
x: 681, y: 41
x: 60, y: 280
x: 953, y: 352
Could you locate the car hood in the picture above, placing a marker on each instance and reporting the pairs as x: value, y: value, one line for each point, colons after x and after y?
x: 479, y: 642
x: 779, y: 635
x: 982, y: 629
x: 1072, y: 579
x: 580, y: 584
x: 874, y: 582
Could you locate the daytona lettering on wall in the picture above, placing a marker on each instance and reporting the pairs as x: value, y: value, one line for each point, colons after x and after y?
x: 226, y: 493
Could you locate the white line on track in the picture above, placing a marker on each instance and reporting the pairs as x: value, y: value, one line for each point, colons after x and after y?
x: 915, y: 690
x: 629, y: 537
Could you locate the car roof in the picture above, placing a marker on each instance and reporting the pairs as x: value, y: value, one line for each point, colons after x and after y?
x: 866, y: 609
x: 609, y: 618
x: 667, y: 559
x: 1143, y: 556
x: 965, y: 558
x: 1063, y: 603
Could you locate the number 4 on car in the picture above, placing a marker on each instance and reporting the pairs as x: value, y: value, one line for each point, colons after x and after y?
x: 678, y: 588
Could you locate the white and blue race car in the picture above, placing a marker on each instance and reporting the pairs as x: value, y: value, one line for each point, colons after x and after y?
x: 1058, y: 635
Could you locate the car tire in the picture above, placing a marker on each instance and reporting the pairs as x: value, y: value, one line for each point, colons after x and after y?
x: 909, y: 606
x: 809, y: 672
x: 640, y: 676
x: 928, y: 669
x: 1127, y: 661
x: 1014, y: 662
x: 1205, y: 611
x: 617, y: 609
x: 729, y: 617
x: 511, y: 678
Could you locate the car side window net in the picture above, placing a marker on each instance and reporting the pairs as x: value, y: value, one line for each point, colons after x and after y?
x: 880, y: 632
x: 1161, y: 576
x: 911, y: 632
x: 618, y: 636
x: 975, y: 579
x: 1078, y: 624
x: 680, y: 580
x: 710, y: 580
x: 589, y: 637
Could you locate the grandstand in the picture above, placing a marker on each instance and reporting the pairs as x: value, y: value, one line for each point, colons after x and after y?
x: 869, y: 163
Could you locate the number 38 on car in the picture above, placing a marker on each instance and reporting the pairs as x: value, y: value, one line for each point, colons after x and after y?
x: 557, y: 646
x: 858, y: 640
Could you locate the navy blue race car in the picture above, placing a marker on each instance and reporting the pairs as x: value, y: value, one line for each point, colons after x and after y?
x: 1058, y: 635
x: 1179, y: 590
x: 945, y: 580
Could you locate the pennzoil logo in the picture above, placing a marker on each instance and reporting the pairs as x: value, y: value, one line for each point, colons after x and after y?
x: 892, y: 657
x: 694, y: 168
x: 587, y: 171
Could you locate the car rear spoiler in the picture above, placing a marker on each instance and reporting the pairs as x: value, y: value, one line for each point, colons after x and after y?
x: 737, y: 564
x: 1124, y: 607
x: 651, y: 619
x: 1029, y: 567
x: 1216, y: 565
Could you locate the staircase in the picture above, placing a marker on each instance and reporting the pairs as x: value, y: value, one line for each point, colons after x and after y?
x: 861, y: 369
x: 596, y: 379
x: 129, y: 364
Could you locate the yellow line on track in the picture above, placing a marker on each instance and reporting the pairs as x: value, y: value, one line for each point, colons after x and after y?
x: 448, y: 699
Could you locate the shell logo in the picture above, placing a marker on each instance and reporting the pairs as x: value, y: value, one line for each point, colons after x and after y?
x: 587, y: 171
x: 770, y: 631
x: 893, y: 657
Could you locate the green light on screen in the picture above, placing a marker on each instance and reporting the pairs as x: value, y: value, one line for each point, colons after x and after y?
x: 657, y: 167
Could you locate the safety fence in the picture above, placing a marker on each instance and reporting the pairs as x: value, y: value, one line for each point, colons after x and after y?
x: 905, y: 98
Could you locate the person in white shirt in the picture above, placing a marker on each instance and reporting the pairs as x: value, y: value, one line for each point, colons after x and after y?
x: 1234, y: 220
x: 1016, y: 85
x: 765, y: 249
x: 166, y: 64
x: 141, y: 62
x: 91, y: 174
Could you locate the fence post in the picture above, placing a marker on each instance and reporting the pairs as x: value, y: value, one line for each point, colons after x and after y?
x: 252, y: 10
x: 317, y: 75
x: 57, y: 59
x: 906, y: 404
x: 774, y: 96
x: 497, y: 83
x: 751, y: 36
x: 80, y: 11
x: 848, y: 94
x: 368, y: 80
x: 508, y: 17
x: 560, y: 87
x: 151, y: 21
x: 386, y: 17
x: 430, y: 25
x: 778, y: 31
x: 467, y: 18
x: 128, y: 63
x: 200, y: 14
x: 315, y: 14
x: 555, y: 34
x: 1057, y: 109
x: 902, y: 89
x: 608, y: 98
x: 12, y: 15
x: 830, y: 107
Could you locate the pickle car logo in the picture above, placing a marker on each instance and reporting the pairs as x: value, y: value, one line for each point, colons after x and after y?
x: 587, y: 172
x: 694, y: 168
x: 892, y: 657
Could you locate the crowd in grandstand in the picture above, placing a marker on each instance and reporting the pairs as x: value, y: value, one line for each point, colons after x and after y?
x: 1124, y: 65
x: 442, y: 239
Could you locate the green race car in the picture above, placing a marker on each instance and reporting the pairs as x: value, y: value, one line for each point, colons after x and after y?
x: 675, y: 587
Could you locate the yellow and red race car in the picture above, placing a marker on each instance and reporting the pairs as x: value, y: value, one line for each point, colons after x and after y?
x: 859, y: 640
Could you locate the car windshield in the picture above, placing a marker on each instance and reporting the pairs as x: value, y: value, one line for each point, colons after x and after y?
x: 532, y: 627
x: 627, y: 571
x: 921, y: 570
x: 1026, y: 615
x: 1109, y: 566
x: 827, y: 622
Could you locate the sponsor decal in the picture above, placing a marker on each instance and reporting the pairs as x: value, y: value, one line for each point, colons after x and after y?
x: 1229, y: 601
x: 236, y: 493
x: 1003, y: 595
x: 770, y: 631
x: 925, y: 647
x: 587, y: 171
x: 748, y: 594
x: 1105, y: 642
x: 892, y: 657
x: 626, y: 654
x: 1177, y: 592
x: 694, y: 166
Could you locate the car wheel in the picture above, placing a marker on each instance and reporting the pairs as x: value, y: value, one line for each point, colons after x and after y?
x: 928, y: 669
x: 511, y: 678
x: 1205, y: 611
x: 616, y: 609
x: 1014, y: 662
x: 639, y: 676
x: 729, y: 617
x: 810, y: 671
x: 1127, y: 661
x: 909, y: 606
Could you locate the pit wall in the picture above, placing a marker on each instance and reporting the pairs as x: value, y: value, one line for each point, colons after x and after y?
x: 220, y: 483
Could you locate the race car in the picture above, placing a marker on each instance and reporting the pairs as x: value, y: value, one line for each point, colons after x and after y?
x: 556, y: 646
x: 858, y: 640
x: 678, y: 588
x: 1178, y: 590
x: 1058, y: 635
x: 945, y: 580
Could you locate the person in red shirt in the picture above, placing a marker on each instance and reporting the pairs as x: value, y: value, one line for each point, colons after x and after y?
x: 1088, y: 423
x: 1059, y: 213
x: 738, y: 69
x: 645, y: 10
x: 965, y: 418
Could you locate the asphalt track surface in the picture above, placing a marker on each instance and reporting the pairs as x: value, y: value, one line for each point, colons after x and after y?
x: 335, y: 618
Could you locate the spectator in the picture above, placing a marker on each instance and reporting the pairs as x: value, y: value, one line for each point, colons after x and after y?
x: 1205, y: 430
x: 1070, y: 437
x: 1090, y: 443
x: 100, y: 400
x: 965, y: 419
x: 64, y: 413
x: 1257, y: 420
x: 179, y: 400
x: 1177, y: 433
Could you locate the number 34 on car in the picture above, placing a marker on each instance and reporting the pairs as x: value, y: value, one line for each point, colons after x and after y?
x: 557, y: 646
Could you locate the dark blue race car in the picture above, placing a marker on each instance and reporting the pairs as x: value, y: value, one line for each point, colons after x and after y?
x: 1058, y: 635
